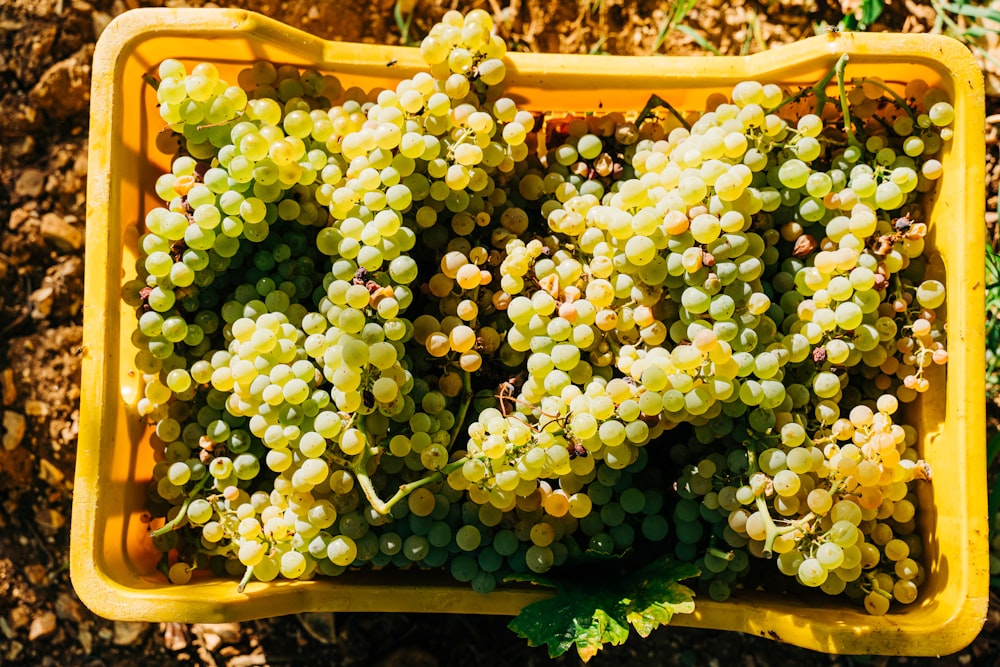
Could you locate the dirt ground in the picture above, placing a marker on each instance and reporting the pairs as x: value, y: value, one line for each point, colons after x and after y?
x: 45, y: 52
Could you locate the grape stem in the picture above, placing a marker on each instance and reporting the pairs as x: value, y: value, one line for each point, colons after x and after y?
x: 719, y: 553
x: 384, y: 507
x: 772, y: 530
x: 654, y: 102
x: 175, y: 523
x: 245, y: 580
x: 896, y: 96
x: 845, y: 108
x: 459, y: 141
x: 818, y: 89
x: 360, y: 469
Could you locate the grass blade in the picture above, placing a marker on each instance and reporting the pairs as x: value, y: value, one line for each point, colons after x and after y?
x: 971, y: 11
x: 403, y: 24
x: 698, y: 38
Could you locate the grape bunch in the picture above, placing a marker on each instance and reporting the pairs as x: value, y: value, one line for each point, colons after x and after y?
x: 424, y: 327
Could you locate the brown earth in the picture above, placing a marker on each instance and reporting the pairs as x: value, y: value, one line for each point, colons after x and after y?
x: 45, y: 52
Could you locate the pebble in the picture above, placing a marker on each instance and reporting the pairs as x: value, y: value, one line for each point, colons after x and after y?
x: 48, y: 472
x: 30, y: 183
x: 35, y: 573
x: 43, y: 625
x: 14, y: 650
x: 36, y: 408
x: 68, y: 609
x: 174, y: 636
x: 49, y: 519
x: 216, y: 634
x: 128, y: 633
x: 41, y: 300
x: 64, y: 89
x: 251, y: 660
x: 8, y: 390
x: 59, y: 232
x: 19, y: 617
x: 14, y: 426
x: 85, y: 637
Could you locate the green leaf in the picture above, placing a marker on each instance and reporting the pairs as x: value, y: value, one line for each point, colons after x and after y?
x: 588, y: 613
x: 870, y: 11
x: 659, y: 600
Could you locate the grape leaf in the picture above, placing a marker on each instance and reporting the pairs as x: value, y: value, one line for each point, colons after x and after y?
x: 591, y: 609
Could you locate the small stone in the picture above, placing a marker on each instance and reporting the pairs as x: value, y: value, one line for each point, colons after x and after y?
x: 43, y: 625
x: 18, y: 217
x: 174, y: 636
x: 19, y: 617
x: 105, y: 633
x: 36, y: 409
x: 49, y: 520
x: 60, y: 233
x: 252, y: 660
x: 216, y: 634
x: 41, y: 300
x: 68, y: 609
x: 211, y: 641
x: 228, y: 632
x: 14, y: 650
x: 5, y: 628
x: 85, y: 637
x: 8, y: 390
x: 14, y: 427
x: 35, y: 573
x: 16, y: 468
x: 48, y: 472
x: 64, y: 89
x: 30, y: 183
x: 128, y: 633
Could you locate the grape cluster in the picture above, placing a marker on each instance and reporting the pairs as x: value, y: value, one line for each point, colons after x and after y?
x: 423, y: 327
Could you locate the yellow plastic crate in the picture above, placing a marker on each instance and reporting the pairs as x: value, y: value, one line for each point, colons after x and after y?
x: 112, y: 559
